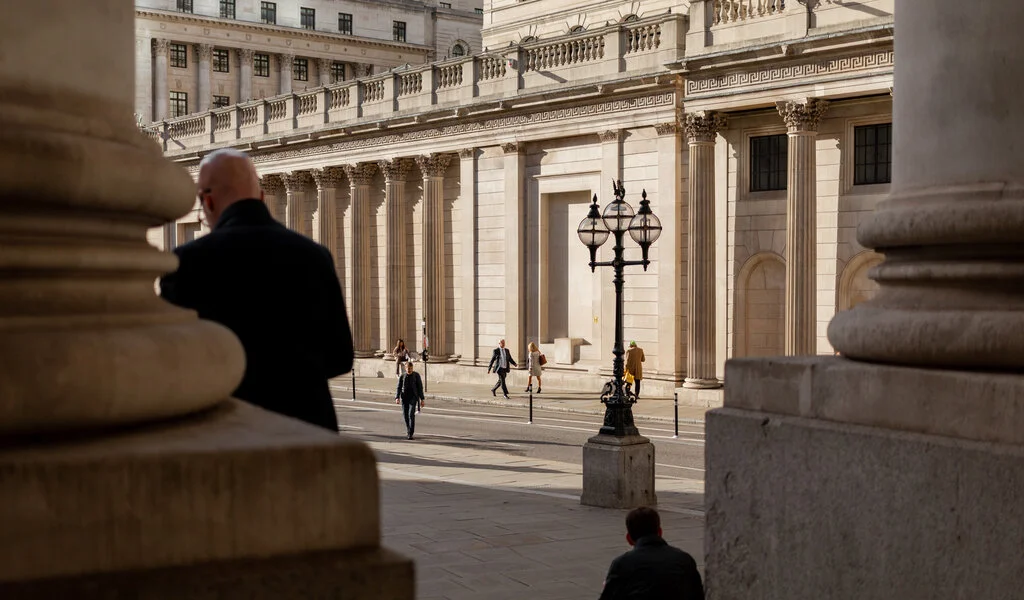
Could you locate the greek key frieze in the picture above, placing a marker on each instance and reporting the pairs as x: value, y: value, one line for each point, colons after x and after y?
x: 842, y: 64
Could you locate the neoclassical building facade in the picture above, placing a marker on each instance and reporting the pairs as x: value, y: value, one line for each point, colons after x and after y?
x: 450, y: 192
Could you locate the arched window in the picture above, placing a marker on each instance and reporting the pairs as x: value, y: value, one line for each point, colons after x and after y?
x: 459, y: 49
x: 630, y: 18
x: 576, y: 29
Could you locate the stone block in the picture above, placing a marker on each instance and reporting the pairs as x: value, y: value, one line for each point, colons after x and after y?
x: 567, y: 350
x: 618, y: 472
x: 805, y: 509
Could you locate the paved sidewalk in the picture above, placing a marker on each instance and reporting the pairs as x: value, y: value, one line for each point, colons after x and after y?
x: 573, y: 401
x: 485, y: 523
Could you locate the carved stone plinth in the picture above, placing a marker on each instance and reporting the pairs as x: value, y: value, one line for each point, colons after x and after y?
x: 618, y: 472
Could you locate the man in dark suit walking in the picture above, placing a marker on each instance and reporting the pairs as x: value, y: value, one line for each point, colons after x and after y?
x: 274, y: 288
x: 500, y: 364
x: 410, y: 394
x: 652, y: 570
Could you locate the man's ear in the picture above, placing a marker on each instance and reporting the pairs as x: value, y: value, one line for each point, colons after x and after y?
x: 659, y: 532
x: 629, y: 539
x: 262, y: 199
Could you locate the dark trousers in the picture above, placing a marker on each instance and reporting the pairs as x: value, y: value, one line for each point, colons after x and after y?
x: 501, y: 382
x: 409, y: 412
x: 636, y: 387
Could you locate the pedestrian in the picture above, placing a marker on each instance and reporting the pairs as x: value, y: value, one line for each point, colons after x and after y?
x: 275, y: 289
x: 501, y: 362
x: 410, y: 395
x: 635, y: 366
x: 401, y: 354
x: 534, y: 366
x: 652, y: 570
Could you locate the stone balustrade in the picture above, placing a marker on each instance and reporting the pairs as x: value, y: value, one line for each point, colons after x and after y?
x: 602, y: 55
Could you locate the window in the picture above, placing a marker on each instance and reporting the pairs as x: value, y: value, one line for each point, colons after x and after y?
x: 261, y: 65
x: 179, y: 55
x: 446, y: 5
x: 478, y: 11
x: 528, y: 39
x: 268, y: 12
x: 872, y: 154
x: 184, y: 6
x: 337, y: 72
x: 307, y: 18
x: 300, y: 69
x: 345, y: 23
x: 179, y: 104
x: 458, y: 49
x: 768, y: 162
x: 221, y: 101
x: 576, y: 29
x: 227, y: 9
x: 221, y: 61
x: 630, y: 18
x: 398, y: 31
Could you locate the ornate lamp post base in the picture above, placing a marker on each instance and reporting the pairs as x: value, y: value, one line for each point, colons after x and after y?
x: 618, y: 472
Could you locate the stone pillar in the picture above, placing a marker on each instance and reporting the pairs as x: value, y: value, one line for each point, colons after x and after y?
x: 701, y: 131
x: 669, y: 203
x: 396, y: 322
x: 286, y: 60
x: 245, y: 56
x: 204, y: 52
x: 273, y: 195
x: 324, y: 69
x: 435, y: 273
x: 801, y: 224
x: 467, y: 238
x: 515, y: 244
x: 295, y: 184
x: 359, y: 178
x: 604, y: 289
x: 162, y: 99
x: 328, y: 180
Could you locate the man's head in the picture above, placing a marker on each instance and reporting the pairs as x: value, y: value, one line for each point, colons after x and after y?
x: 632, y: 344
x: 408, y: 366
x: 642, y: 522
x: 225, y: 177
x: 501, y: 343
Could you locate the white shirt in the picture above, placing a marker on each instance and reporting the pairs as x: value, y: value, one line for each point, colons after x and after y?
x: 502, y: 358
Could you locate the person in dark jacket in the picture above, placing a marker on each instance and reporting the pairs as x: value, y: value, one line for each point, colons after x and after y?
x: 501, y: 363
x: 652, y: 570
x: 275, y: 289
x: 409, y: 393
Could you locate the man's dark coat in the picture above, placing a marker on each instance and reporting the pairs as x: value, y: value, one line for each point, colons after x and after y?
x: 653, y: 570
x: 278, y: 292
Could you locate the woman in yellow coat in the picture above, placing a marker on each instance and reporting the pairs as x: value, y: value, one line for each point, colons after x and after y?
x: 635, y: 365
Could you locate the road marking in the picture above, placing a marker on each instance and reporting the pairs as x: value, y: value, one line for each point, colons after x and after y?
x: 679, y: 467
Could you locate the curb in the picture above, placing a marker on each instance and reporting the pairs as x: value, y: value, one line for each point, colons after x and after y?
x: 514, y: 404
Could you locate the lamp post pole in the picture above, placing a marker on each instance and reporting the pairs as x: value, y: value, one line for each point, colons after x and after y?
x: 618, y: 463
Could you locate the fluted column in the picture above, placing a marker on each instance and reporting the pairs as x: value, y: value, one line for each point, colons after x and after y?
x: 245, y: 56
x: 701, y: 130
x: 286, y: 60
x: 295, y: 184
x: 162, y: 99
x: 467, y: 240
x: 396, y: 322
x: 204, y: 52
x: 359, y: 178
x: 273, y: 195
x: 951, y: 286
x: 328, y: 180
x: 515, y: 246
x: 802, y: 119
x: 324, y: 70
x: 435, y: 273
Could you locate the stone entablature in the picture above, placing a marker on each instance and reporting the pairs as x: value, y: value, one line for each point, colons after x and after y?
x: 447, y: 90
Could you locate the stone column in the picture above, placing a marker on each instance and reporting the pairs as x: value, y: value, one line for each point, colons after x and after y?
x: 273, y: 195
x: 286, y: 60
x: 324, y: 69
x: 245, y: 56
x: 515, y: 244
x: 328, y: 180
x: 701, y: 130
x: 669, y: 203
x: 467, y: 238
x: 204, y: 53
x: 162, y: 99
x: 359, y: 178
x: 435, y: 272
x: 396, y: 322
x: 295, y: 184
x: 802, y: 119
x: 604, y: 289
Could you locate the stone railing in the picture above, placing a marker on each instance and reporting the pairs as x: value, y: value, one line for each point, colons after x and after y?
x: 731, y: 11
x: 599, y: 56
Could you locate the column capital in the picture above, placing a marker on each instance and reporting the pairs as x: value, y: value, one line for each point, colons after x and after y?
x: 611, y: 135
x: 245, y: 55
x: 160, y: 47
x: 465, y: 153
x: 396, y: 169
x: 666, y: 128
x: 703, y: 126
x: 324, y: 64
x: 511, y: 147
x: 286, y: 56
x: 296, y: 181
x: 434, y: 165
x: 802, y: 116
x: 204, y: 51
x: 272, y: 184
x: 327, y: 178
x: 360, y: 174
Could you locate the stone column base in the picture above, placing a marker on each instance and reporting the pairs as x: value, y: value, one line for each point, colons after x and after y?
x: 803, y: 508
x: 702, y: 384
x: 618, y: 472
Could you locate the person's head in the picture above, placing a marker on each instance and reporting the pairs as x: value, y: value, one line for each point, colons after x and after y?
x: 401, y: 344
x: 533, y: 347
x: 408, y: 367
x: 225, y: 177
x: 642, y: 522
x: 632, y: 344
x: 501, y: 343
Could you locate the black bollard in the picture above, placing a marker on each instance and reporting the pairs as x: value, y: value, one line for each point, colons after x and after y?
x: 676, y: 409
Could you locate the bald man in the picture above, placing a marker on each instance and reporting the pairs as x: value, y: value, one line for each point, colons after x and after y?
x: 276, y: 289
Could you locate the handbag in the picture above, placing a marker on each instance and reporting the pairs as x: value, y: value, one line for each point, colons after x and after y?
x: 543, y: 361
x: 629, y: 377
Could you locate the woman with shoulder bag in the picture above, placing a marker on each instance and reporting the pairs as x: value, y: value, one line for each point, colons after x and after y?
x: 535, y: 364
x: 401, y: 354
